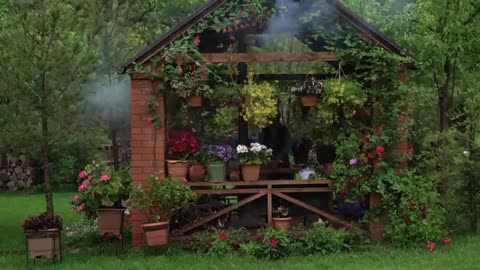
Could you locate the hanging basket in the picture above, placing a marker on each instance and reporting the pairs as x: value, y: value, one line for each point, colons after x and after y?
x: 309, y: 100
x: 195, y: 101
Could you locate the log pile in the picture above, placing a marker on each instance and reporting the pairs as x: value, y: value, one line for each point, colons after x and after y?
x: 16, y: 174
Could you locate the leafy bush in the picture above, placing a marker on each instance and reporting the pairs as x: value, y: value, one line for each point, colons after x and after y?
x: 162, y: 198
x: 221, y: 246
x: 323, y: 239
x: 273, y: 243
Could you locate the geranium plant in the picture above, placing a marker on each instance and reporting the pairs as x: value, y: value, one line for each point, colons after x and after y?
x: 42, y: 222
x: 182, y: 145
x: 101, y: 187
x: 162, y: 198
x: 255, y: 154
x: 191, y: 82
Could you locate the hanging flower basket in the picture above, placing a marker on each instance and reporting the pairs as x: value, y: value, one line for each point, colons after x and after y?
x: 309, y: 100
x: 195, y: 101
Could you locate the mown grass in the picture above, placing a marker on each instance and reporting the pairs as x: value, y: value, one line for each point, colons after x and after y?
x: 461, y: 254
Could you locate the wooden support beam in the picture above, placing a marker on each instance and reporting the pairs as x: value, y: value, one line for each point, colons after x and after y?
x: 222, y: 212
x: 269, y: 57
x: 313, y: 209
x: 264, y: 190
x: 261, y: 183
x: 269, y: 207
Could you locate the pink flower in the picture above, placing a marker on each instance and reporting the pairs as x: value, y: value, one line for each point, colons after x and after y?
x: 353, y: 161
x: 380, y: 150
x: 180, y: 70
x: 431, y: 246
x: 82, y: 174
x: 105, y: 178
x: 196, y: 42
x: 76, y: 198
x: 446, y: 240
x: 273, y: 242
x: 94, y: 162
x: 81, y: 208
x: 84, y: 185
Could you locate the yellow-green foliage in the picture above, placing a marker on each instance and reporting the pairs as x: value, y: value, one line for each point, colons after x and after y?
x: 340, y: 93
x: 260, y: 104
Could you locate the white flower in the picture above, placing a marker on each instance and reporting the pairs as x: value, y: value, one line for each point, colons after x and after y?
x: 466, y: 153
x: 263, y: 147
x: 269, y: 151
x: 242, y: 149
x: 127, y: 212
x: 256, y: 148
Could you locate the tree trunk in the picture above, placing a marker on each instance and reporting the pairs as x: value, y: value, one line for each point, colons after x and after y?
x: 46, y: 150
x: 444, y: 104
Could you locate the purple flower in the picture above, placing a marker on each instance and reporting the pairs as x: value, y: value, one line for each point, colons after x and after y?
x: 353, y: 161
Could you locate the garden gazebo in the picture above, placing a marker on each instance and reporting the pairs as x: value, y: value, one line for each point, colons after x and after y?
x: 226, y: 35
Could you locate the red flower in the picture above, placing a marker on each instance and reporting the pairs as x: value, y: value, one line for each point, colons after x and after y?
x: 351, y: 183
x: 180, y: 70
x: 344, y: 193
x: 196, y: 42
x: 446, y: 240
x: 273, y: 242
x: 223, y: 237
x: 380, y: 150
x: 235, y: 244
x: 431, y: 246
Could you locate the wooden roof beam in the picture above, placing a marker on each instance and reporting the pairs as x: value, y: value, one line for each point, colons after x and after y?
x: 269, y: 57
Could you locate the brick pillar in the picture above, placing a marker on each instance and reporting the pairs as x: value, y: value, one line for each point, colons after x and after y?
x: 376, y: 226
x: 147, y: 144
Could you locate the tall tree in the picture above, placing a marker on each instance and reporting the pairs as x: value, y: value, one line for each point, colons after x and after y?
x: 46, y: 56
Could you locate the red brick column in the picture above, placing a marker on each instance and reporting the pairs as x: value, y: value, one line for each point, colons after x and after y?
x: 147, y: 144
x: 376, y: 226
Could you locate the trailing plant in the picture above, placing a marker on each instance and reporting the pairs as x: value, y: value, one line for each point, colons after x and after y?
x: 223, y: 122
x: 255, y: 154
x: 42, y: 222
x: 162, y: 198
x: 153, y: 104
x: 191, y: 82
x: 100, y: 187
x: 260, y: 104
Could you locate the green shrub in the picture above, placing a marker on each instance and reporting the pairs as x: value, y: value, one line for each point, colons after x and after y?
x: 323, y: 239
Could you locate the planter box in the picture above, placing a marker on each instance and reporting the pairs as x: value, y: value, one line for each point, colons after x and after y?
x: 110, y: 221
x: 45, y: 243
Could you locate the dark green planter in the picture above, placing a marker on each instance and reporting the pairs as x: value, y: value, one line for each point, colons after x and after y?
x: 217, y: 172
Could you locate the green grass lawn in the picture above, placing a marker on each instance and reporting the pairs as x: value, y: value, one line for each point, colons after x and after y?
x: 461, y: 254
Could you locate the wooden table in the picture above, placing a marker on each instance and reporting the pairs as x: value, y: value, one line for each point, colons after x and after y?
x: 258, y: 190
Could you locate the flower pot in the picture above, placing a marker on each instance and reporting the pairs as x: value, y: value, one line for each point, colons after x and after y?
x: 195, y: 101
x: 307, y: 174
x: 196, y: 172
x: 309, y: 100
x: 251, y: 172
x: 177, y: 169
x: 217, y: 172
x: 282, y: 223
x: 156, y: 234
x: 44, y: 243
x: 110, y: 221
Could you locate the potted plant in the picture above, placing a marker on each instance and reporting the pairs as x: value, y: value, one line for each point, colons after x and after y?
x: 196, y: 171
x: 216, y: 157
x: 158, y: 202
x: 259, y: 103
x: 281, y: 220
x: 181, y: 145
x: 251, y: 159
x: 192, y: 86
x: 102, y: 194
x: 43, y: 236
x: 309, y: 91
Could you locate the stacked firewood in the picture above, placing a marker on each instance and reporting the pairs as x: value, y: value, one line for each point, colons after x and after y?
x: 16, y: 174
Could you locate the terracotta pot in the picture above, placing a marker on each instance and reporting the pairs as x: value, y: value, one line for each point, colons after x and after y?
x: 251, y: 172
x: 156, y: 234
x: 44, y: 243
x: 282, y: 223
x: 195, y: 101
x: 309, y: 101
x: 110, y: 221
x: 196, y: 172
x: 217, y: 172
x: 177, y: 169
